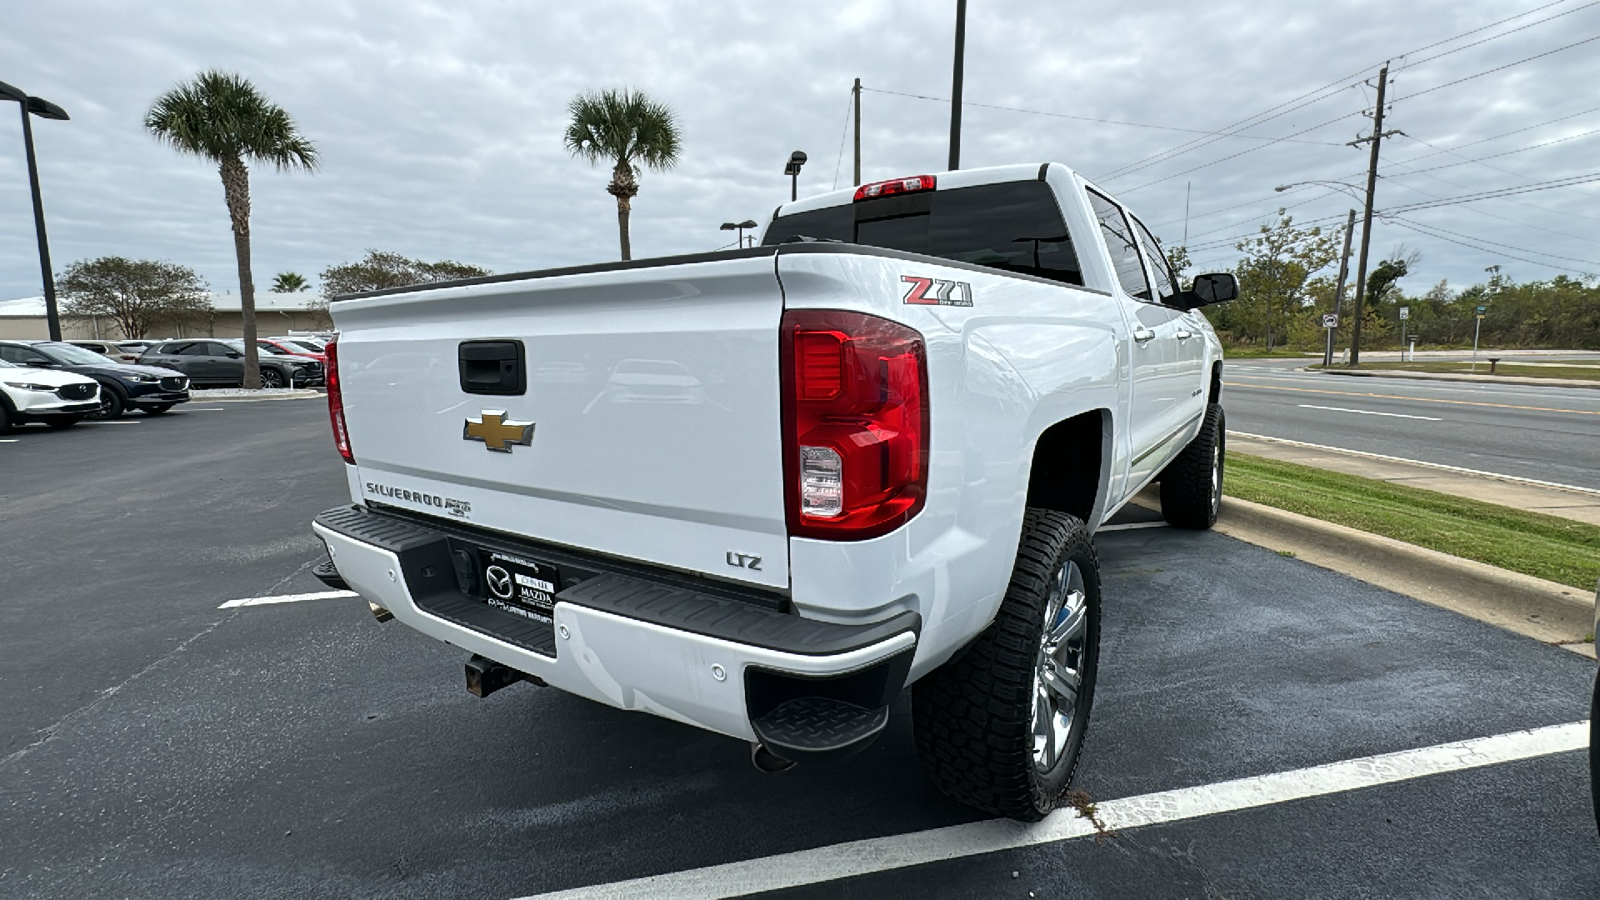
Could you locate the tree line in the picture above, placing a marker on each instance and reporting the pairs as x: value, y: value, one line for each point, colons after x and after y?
x: 222, y: 119
x: 1288, y: 281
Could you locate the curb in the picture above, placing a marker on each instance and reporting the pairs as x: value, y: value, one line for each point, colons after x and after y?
x: 235, y: 398
x: 1467, y: 378
x: 1543, y: 610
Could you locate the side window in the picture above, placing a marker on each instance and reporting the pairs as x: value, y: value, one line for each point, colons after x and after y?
x: 198, y: 348
x: 1166, y: 284
x: 22, y: 355
x: 11, y: 354
x: 212, y: 348
x: 1121, y: 243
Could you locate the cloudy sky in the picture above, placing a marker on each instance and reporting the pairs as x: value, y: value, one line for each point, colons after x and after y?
x: 439, y: 124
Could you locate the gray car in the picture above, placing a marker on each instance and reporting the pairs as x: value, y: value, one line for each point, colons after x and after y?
x: 220, y: 363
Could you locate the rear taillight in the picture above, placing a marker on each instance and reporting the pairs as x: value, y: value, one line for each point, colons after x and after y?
x: 895, y: 186
x: 855, y: 421
x: 341, y: 434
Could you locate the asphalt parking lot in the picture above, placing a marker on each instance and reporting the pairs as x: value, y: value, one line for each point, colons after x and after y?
x: 154, y: 745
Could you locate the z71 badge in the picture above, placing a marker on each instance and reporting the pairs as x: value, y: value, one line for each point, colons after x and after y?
x: 937, y: 291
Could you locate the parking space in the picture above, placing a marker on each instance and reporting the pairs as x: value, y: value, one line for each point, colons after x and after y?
x: 154, y: 744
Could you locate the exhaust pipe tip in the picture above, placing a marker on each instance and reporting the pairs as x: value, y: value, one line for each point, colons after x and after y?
x: 766, y: 761
x: 379, y: 613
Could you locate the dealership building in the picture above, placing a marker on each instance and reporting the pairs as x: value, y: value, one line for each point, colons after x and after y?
x: 24, y: 319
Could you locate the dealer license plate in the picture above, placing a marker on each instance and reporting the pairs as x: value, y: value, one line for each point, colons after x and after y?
x: 519, y: 585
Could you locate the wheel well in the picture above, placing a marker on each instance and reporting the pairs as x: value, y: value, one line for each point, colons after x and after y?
x: 1216, y: 383
x: 1067, y: 465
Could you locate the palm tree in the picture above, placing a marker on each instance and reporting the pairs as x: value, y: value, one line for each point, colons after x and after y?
x: 289, y: 283
x: 625, y: 128
x: 222, y: 118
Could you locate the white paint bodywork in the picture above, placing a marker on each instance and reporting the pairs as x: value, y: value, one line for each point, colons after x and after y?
x: 655, y: 393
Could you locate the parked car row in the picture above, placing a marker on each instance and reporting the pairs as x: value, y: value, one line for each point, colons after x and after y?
x: 61, y: 383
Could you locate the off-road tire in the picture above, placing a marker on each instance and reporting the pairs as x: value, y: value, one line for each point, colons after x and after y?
x: 974, y: 715
x: 1190, y: 496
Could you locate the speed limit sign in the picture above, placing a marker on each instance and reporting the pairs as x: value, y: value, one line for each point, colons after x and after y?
x: 1330, y: 320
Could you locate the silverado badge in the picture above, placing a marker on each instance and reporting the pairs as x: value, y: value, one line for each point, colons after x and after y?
x: 497, y: 432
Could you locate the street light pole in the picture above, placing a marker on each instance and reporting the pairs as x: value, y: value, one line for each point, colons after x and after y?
x: 34, y: 106
x: 796, y: 160
x: 955, y: 87
x: 740, y: 227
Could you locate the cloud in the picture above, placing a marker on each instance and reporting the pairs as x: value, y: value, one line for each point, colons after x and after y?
x: 439, y: 124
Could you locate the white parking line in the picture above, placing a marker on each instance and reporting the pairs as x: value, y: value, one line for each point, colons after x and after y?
x: 116, y: 421
x: 206, y: 409
x: 1418, y: 462
x: 8, y: 440
x: 823, y: 864
x: 287, y: 598
x: 1369, y: 412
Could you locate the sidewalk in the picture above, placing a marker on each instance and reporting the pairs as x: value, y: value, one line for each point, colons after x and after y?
x: 1568, y: 503
x: 1457, y: 376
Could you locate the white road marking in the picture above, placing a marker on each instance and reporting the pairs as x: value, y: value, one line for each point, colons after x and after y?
x: 8, y: 440
x: 115, y: 421
x: 1418, y: 462
x: 287, y: 598
x: 864, y: 857
x: 206, y: 409
x: 1369, y: 412
x: 1129, y: 526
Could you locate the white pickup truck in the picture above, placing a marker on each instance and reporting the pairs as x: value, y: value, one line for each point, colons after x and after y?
x: 762, y: 491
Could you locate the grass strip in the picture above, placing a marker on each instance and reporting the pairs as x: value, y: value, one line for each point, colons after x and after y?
x: 1547, y: 547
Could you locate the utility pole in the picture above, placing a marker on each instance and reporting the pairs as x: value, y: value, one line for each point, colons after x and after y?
x: 1338, y: 292
x: 955, y: 88
x: 857, y: 103
x: 1378, y: 134
x: 1186, y: 186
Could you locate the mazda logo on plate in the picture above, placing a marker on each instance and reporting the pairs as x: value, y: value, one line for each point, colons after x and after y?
x: 499, y: 582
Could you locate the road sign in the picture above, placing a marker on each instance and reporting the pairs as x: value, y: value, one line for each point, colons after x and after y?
x: 1482, y: 310
x: 1330, y: 320
x: 1405, y: 313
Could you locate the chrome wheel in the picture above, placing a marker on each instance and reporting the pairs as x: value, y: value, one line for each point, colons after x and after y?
x: 1058, y: 669
x: 1216, y: 476
x: 271, y: 378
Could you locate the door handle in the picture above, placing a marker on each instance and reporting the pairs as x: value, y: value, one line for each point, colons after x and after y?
x: 1185, y: 335
x: 1143, y: 335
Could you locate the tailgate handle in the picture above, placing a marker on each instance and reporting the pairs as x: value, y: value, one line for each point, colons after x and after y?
x: 492, y: 367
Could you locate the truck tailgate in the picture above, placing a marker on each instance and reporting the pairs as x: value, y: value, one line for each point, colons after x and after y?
x: 654, y: 399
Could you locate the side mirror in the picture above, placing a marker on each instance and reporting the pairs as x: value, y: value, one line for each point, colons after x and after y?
x: 1217, y: 287
x: 234, y: 354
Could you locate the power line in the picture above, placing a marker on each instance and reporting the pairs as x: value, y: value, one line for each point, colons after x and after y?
x: 1439, y: 150
x: 1484, y: 212
x: 1502, y: 34
x: 1496, y: 69
x: 842, y: 135
x: 1422, y: 229
x: 1527, y: 178
x: 1506, y: 153
x: 1056, y: 115
x: 1126, y: 191
x: 1337, y: 83
x: 1496, y: 244
x: 1500, y: 192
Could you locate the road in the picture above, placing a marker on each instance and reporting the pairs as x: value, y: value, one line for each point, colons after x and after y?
x: 156, y: 745
x: 1538, y: 432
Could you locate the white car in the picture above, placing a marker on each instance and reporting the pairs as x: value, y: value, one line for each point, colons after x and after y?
x: 870, y: 453
x: 58, y: 399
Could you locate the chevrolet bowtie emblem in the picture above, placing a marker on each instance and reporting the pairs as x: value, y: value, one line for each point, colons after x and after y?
x: 497, y: 432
